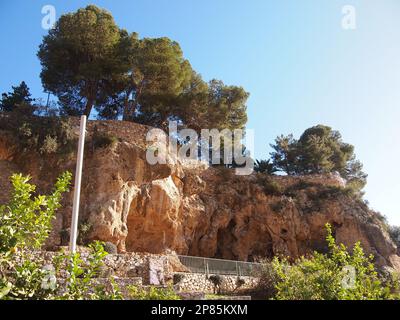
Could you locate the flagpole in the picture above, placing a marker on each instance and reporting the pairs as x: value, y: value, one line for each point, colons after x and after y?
x: 77, y: 189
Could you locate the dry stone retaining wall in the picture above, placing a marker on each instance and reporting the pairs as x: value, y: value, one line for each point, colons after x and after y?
x: 197, y: 282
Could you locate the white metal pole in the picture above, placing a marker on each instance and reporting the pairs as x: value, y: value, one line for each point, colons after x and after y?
x: 77, y: 189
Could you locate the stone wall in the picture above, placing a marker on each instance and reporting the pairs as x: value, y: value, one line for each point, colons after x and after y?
x: 129, y: 265
x: 198, y: 282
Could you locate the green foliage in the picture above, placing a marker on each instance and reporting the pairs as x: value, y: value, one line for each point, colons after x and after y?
x: 112, y: 293
x: 284, y: 157
x: 78, y: 58
x: 88, y: 61
x: 264, y: 166
x: 24, y: 226
x: 30, y: 279
x: 159, y: 84
x: 329, y: 276
x: 19, y: 100
x: 319, y: 150
x: 40, y: 134
x: 81, y: 274
x: 152, y: 293
x: 156, y: 74
x: 213, y: 105
x: 26, y: 220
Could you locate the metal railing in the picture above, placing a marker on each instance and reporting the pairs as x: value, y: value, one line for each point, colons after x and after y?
x: 219, y: 266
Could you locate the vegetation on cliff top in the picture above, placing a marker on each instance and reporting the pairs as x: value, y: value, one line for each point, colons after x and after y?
x: 88, y: 61
x: 319, y: 150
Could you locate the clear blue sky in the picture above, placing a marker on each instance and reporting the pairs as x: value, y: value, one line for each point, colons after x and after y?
x: 300, y: 67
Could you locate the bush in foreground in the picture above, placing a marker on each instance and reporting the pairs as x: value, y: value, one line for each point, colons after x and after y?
x: 25, y: 223
x: 338, y: 275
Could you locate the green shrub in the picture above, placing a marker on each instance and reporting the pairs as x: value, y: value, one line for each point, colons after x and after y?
x: 152, y: 293
x: 29, y: 280
x: 40, y: 134
x: 80, y: 275
x: 265, y: 166
x: 340, y: 275
x: 26, y: 220
x: 24, y: 226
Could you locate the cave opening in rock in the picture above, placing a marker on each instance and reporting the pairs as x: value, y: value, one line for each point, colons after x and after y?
x: 225, y: 242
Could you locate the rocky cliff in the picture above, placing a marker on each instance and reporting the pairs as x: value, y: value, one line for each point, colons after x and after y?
x: 196, y: 210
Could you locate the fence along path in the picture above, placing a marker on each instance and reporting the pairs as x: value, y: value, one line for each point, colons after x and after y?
x: 219, y: 266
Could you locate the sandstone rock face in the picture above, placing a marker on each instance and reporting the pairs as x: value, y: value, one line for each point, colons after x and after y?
x: 195, y: 210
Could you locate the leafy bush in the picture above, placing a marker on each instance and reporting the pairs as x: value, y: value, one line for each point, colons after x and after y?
x: 24, y: 226
x: 80, y: 275
x: 340, y: 275
x: 153, y: 293
x: 29, y: 279
x: 26, y: 220
x: 40, y: 134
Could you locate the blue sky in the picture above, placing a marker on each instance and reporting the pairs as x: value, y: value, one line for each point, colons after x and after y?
x: 300, y: 67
